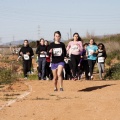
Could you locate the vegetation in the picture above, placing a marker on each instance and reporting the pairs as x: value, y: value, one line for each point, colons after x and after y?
x: 7, y: 76
x: 113, y: 73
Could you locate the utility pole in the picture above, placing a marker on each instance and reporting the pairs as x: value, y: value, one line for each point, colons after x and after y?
x: 68, y: 35
x: 38, y: 32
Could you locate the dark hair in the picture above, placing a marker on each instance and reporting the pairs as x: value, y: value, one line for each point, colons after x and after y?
x: 103, y: 47
x: 57, y: 32
x: 79, y: 38
x: 93, y: 41
x: 41, y: 39
x: 37, y: 43
x: 86, y: 44
x: 47, y: 42
x: 26, y: 41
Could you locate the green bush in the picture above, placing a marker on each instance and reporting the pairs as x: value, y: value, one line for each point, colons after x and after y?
x: 7, y: 76
x: 114, y: 72
x: 111, y: 56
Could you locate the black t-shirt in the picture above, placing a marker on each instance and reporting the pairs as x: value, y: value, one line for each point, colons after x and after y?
x: 26, y: 49
x: 41, y: 48
x: 58, y: 52
x: 101, y: 53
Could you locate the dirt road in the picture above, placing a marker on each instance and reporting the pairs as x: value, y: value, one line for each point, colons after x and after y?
x: 81, y: 100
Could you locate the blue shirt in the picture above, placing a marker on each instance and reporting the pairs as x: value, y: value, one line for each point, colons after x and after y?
x: 90, y: 49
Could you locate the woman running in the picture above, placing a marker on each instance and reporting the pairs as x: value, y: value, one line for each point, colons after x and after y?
x: 58, y: 51
x: 101, y: 60
x: 26, y: 53
x: 48, y: 72
x: 84, y: 62
x: 92, y: 51
x: 41, y: 51
x: 74, y: 49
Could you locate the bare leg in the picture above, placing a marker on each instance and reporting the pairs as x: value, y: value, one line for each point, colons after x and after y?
x: 55, y: 78
x: 59, y: 74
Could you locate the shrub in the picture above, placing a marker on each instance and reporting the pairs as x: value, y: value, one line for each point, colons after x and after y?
x: 113, y: 72
x: 7, y: 76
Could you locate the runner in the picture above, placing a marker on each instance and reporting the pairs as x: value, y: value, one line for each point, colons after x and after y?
x: 41, y: 51
x: 74, y: 49
x: 58, y: 51
x: 48, y: 73
x: 26, y: 53
x: 101, y: 60
x: 84, y: 62
x: 92, y: 51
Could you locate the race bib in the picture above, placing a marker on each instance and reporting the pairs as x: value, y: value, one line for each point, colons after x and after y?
x: 75, y: 48
x: 42, y: 56
x: 26, y: 57
x: 57, y: 51
x: 90, y: 51
x: 101, y: 59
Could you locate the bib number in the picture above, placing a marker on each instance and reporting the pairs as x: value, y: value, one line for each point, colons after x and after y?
x: 42, y: 55
x: 90, y: 51
x: 57, y: 51
x: 101, y: 59
x: 26, y: 57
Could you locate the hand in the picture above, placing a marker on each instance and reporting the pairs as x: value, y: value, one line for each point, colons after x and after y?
x: 28, y: 53
x: 51, y: 50
x: 81, y: 56
x: 21, y: 53
x: 91, y: 53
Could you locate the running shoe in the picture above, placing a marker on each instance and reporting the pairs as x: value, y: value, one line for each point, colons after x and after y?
x: 55, y: 89
x: 61, y: 89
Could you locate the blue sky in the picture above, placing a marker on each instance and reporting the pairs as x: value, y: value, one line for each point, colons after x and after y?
x: 21, y: 18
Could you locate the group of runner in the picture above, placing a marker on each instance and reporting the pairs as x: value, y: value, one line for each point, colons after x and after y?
x: 54, y: 56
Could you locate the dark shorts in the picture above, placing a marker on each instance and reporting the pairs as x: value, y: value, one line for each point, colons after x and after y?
x: 55, y: 65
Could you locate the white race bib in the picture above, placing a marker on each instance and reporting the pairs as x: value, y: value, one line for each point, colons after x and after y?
x: 57, y: 51
x: 26, y: 57
x: 90, y: 51
x: 42, y: 55
x: 101, y: 59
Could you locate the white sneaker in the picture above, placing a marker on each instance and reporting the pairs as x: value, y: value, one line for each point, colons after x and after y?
x: 47, y: 78
x: 91, y: 77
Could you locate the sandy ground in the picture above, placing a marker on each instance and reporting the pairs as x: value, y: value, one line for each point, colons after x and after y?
x: 80, y: 100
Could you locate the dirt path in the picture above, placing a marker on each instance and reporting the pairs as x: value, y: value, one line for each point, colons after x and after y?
x: 81, y: 100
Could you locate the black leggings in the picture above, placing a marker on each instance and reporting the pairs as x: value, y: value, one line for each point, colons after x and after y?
x: 86, y: 68
x: 26, y: 67
x: 75, y: 59
x: 91, y: 64
x: 47, y: 69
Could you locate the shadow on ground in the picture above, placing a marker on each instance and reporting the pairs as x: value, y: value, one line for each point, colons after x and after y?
x: 89, y: 89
